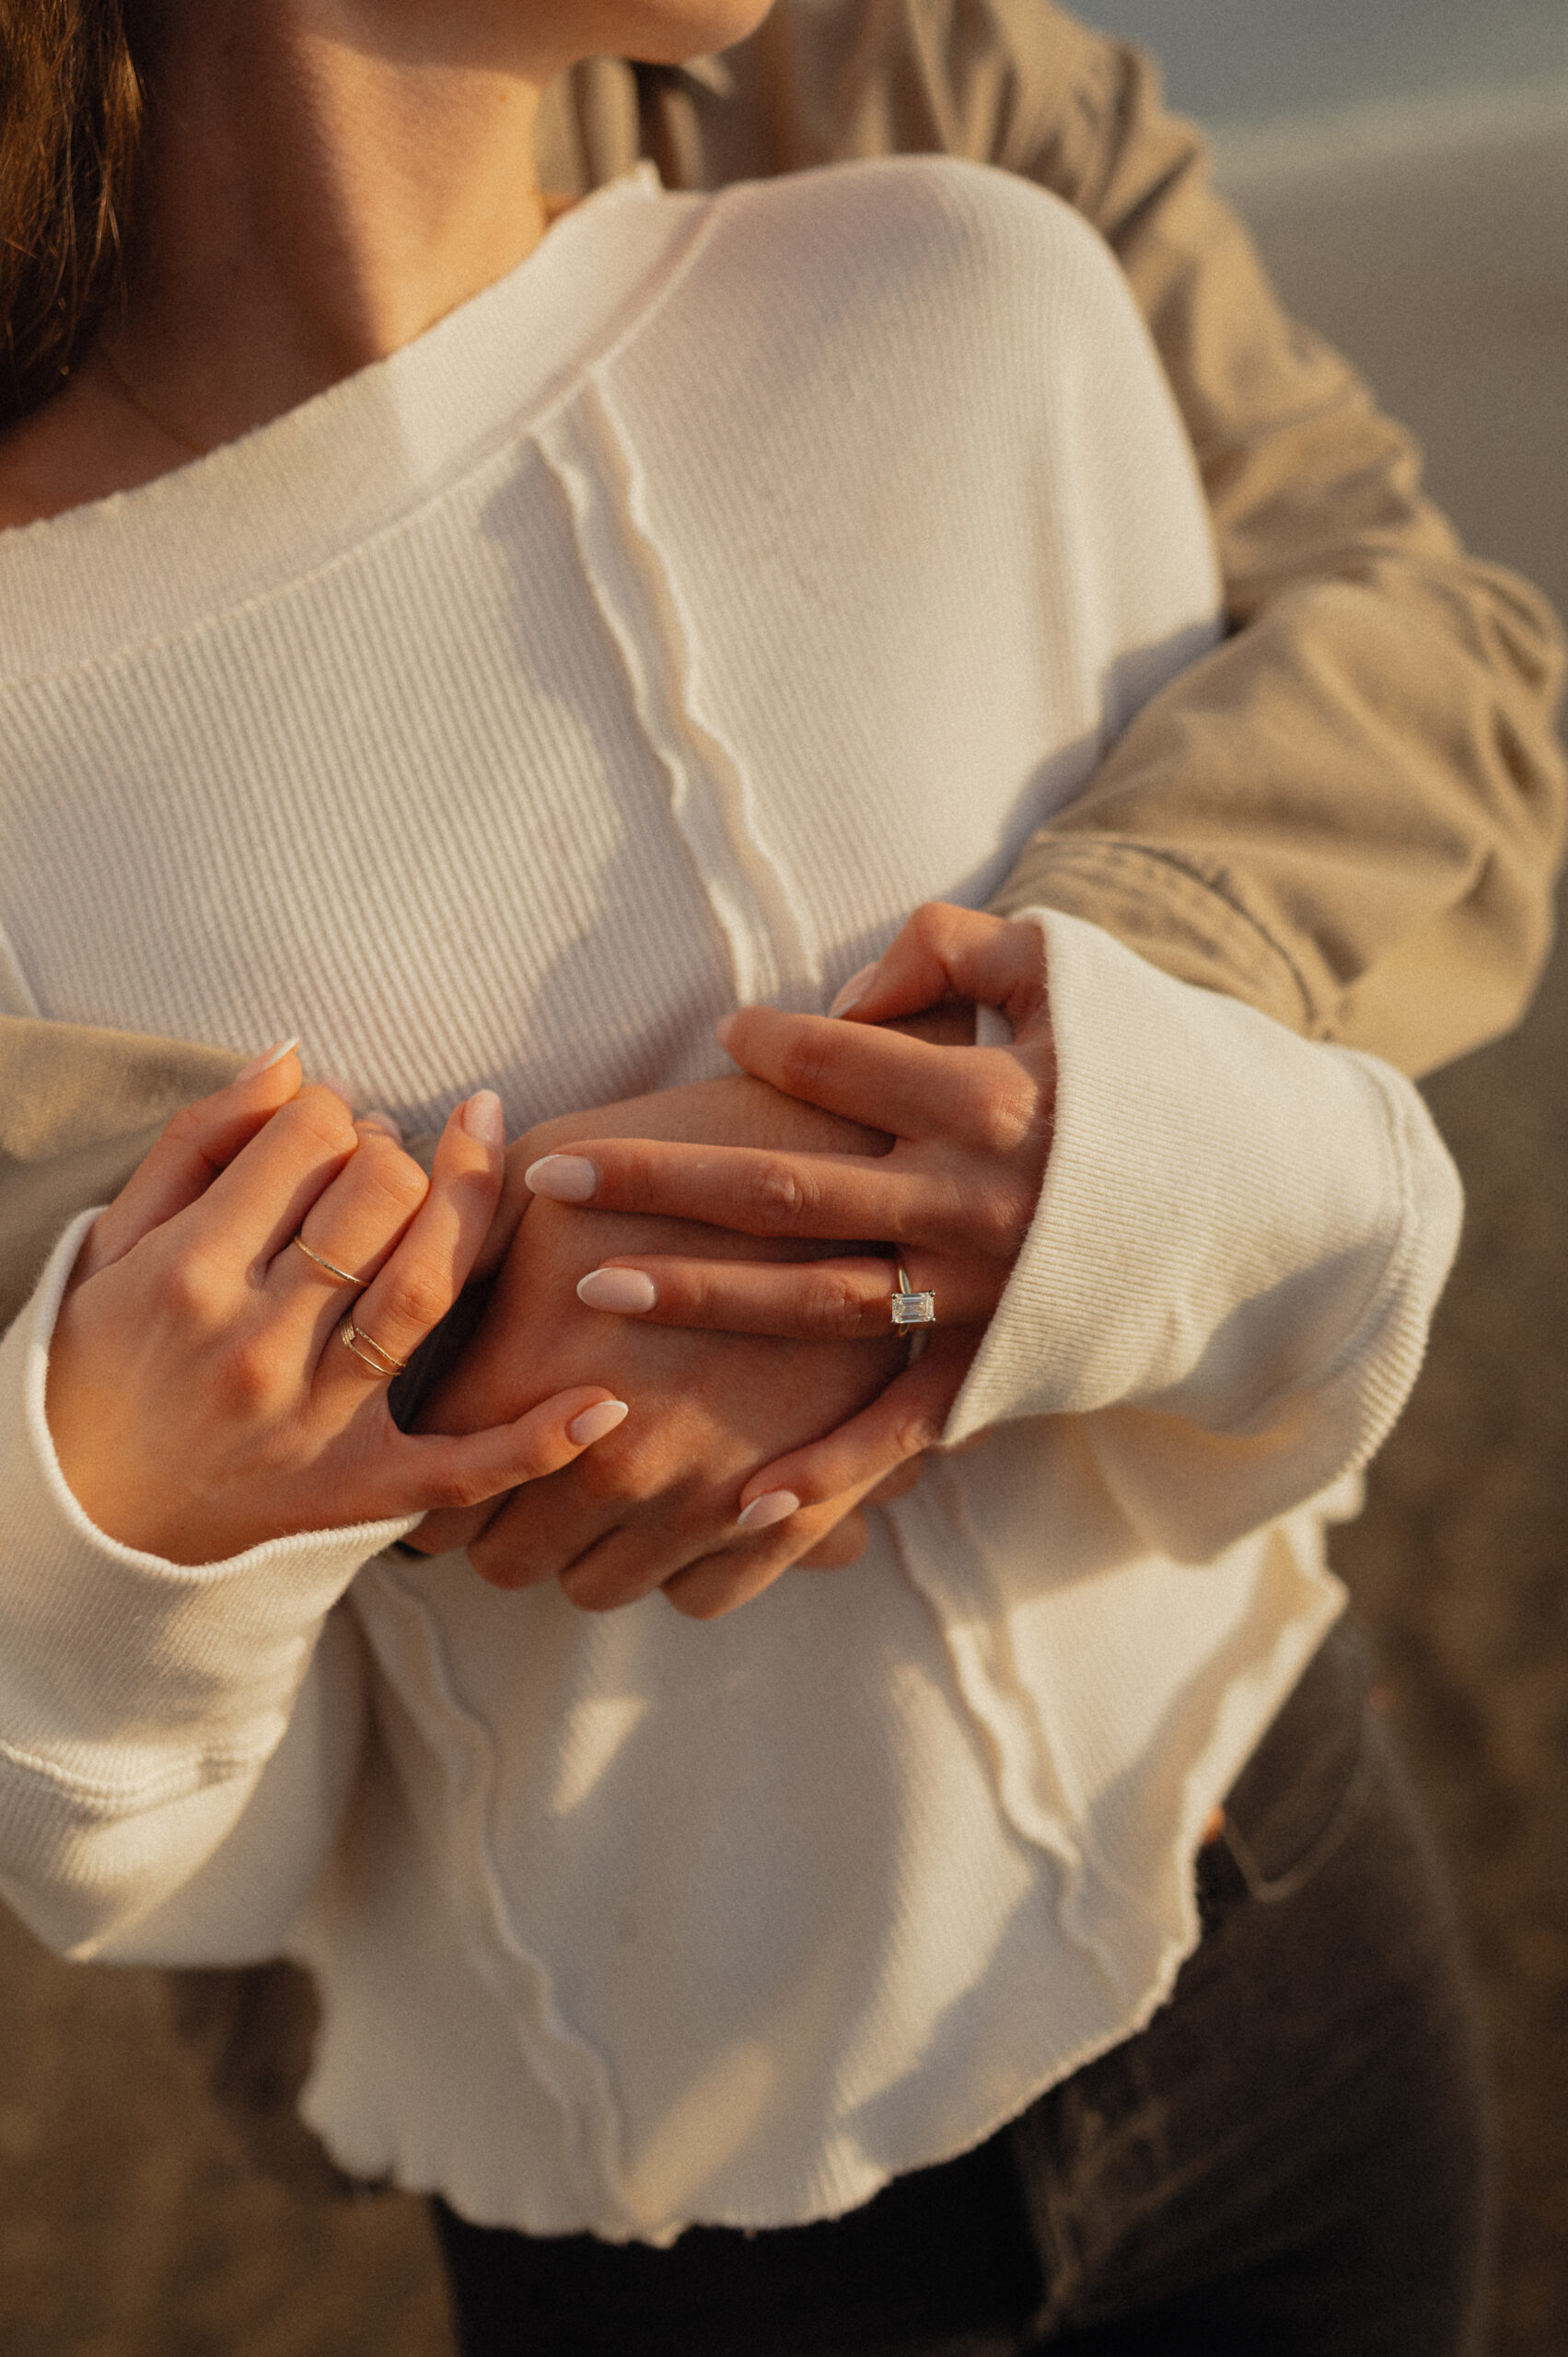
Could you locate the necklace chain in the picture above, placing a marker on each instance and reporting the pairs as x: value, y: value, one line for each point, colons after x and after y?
x: 197, y: 450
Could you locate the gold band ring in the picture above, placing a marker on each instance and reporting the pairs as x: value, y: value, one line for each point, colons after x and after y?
x: 383, y: 1363
x: 909, y: 1307
x: 331, y: 1266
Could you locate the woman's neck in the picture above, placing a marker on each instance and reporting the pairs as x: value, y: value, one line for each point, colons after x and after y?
x: 322, y: 181
x: 318, y: 191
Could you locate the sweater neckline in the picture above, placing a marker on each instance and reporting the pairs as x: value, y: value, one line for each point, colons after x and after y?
x: 297, y: 492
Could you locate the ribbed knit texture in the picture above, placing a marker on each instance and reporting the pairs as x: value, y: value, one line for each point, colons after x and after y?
x: 649, y: 636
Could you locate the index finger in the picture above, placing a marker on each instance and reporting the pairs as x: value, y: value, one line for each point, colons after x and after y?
x: 824, y: 1196
x: 883, y: 1079
x: 192, y: 1148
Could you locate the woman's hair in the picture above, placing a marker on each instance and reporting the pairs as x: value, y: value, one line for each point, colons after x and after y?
x: 71, y: 112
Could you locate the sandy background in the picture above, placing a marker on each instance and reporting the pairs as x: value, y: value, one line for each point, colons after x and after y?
x: 127, y: 2230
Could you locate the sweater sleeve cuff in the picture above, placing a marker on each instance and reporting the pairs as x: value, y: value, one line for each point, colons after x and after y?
x: 1231, y: 1216
x: 126, y: 1680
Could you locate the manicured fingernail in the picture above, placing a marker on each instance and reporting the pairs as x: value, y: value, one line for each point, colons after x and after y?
x: 594, y: 1423
x: 626, y: 1291
x: 564, y: 1178
x: 773, y: 1505
x: 266, y: 1060
x: 853, y: 991
x: 483, y: 1119
x: 379, y: 1121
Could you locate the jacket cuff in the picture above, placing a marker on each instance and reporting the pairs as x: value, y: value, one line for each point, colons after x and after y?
x: 1166, y: 908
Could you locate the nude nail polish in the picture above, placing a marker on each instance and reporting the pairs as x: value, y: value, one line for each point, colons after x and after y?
x: 266, y: 1060
x: 385, y: 1122
x: 484, y: 1121
x: 853, y: 991
x: 562, y: 1177
x: 626, y: 1291
x: 773, y: 1505
x: 594, y: 1423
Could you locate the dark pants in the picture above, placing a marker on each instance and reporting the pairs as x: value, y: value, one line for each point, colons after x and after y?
x: 1289, y: 2160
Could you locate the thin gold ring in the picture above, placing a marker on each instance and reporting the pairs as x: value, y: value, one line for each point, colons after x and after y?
x: 383, y: 1363
x: 331, y: 1266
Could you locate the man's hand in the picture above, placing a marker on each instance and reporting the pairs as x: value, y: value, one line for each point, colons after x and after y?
x: 706, y: 1408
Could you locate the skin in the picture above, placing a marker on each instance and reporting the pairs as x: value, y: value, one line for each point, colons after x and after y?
x: 971, y: 1133
x: 325, y: 179
x: 198, y: 1397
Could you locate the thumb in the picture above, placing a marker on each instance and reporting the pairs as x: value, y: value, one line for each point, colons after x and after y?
x: 447, y: 1475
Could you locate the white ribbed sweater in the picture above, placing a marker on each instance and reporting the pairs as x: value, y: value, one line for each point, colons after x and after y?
x: 648, y: 637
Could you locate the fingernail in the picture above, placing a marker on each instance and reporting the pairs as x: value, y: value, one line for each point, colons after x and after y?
x: 626, y: 1291
x: 853, y: 991
x: 484, y: 1121
x: 266, y: 1060
x: 773, y: 1505
x: 594, y: 1423
x: 564, y: 1178
x: 722, y: 1028
x: 379, y: 1121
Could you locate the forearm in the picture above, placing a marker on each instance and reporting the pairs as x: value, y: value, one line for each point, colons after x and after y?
x: 1349, y: 813
x: 141, y: 1701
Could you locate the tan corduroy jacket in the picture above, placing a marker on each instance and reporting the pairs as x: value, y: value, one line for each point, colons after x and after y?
x: 1347, y: 815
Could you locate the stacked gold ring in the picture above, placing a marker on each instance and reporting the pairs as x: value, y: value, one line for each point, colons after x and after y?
x: 368, y: 1350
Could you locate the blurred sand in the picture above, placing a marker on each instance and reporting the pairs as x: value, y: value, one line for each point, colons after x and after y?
x: 125, y: 2228
x: 1446, y: 280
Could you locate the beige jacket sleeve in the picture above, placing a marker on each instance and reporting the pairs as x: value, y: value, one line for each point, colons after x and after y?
x: 1349, y: 813
x: 1347, y: 816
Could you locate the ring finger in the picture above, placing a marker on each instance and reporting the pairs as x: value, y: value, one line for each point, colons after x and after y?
x: 808, y: 1301
x: 351, y: 1231
x: 427, y: 1263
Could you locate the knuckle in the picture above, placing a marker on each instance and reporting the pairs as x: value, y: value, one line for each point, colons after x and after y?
x: 1001, y: 1110
x: 775, y: 1194
x: 448, y: 1490
x: 249, y: 1377
x: 187, y: 1127
x: 190, y: 1290
x: 803, y: 1064
x: 395, y: 1176
x: 324, y: 1119
x: 832, y: 1309
x: 994, y: 1221
x: 914, y: 1432
x: 414, y: 1299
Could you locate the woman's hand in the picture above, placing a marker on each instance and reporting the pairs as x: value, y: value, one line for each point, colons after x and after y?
x: 955, y: 1197
x: 200, y: 1398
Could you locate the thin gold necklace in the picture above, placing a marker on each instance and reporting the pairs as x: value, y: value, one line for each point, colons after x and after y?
x: 197, y: 450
